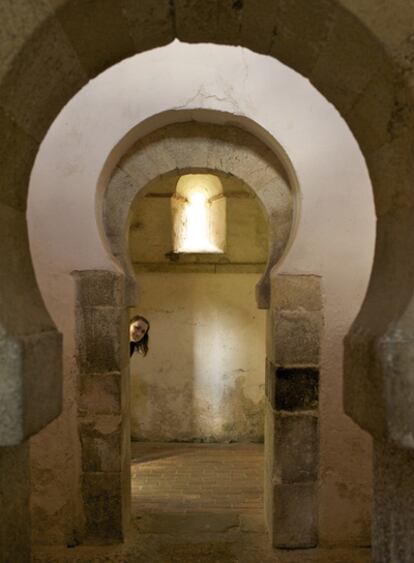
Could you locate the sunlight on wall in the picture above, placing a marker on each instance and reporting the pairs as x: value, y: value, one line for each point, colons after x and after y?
x: 199, y: 214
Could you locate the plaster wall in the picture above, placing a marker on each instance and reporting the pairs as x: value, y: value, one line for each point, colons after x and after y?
x: 335, y: 236
x: 203, y: 378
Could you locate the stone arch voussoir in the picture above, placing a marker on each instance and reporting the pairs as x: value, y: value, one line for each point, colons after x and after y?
x: 201, y: 147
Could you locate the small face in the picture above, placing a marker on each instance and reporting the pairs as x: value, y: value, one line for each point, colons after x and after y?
x: 137, y: 330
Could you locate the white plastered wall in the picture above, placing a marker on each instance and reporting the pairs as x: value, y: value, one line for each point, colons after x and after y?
x: 335, y: 237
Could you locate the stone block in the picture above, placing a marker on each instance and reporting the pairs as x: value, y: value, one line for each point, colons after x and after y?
x: 17, y: 153
x: 150, y: 22
x: 102, y: 339
x: 140, y: 165
x: 295, y: 515
x: 391, y: 174
x: 100, y: 393
x: 99, y: 288
x: 208, y: 22
x: 296, y: 292
x: 30, y: 346
x: 379, y: 355
x: 15, y: 529
x: 11, y: 393
x: 47, y: 67
x: 31, y: 385
x: 370, y: 116
x: 101, y: 443
x: 131, y: 290
x: 296, y: 338
x: 295, y: 389
x: 258, y: 25
x: 185, y: 148
x: 296, y: 448
x: 20, y: 20
x: 42, y: 387
x: 301, y: 32
x: 98, y: 30
x: 117, y: 199
x: 393, y: 525
x: 102, y: 496
x: 356, y: 53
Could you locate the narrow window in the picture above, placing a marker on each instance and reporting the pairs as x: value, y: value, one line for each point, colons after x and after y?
x: 199, y: 214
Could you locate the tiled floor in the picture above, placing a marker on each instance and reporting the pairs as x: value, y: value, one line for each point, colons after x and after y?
x: 196, y: 503
x: 197, y: 477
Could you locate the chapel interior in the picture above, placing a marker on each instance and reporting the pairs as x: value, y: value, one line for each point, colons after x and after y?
x: 240, y: 173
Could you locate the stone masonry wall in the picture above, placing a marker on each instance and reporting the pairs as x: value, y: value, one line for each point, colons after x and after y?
x: 291, y: 425
x: 103, y: 404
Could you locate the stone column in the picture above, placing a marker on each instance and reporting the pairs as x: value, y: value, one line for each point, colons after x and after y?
x: 393, y: 504
x: 15, y: 530
x: 103, y: 404
x: 291, y: 428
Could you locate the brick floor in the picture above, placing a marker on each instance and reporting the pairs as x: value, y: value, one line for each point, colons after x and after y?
x: 197, y: 477
x: 196, y: 503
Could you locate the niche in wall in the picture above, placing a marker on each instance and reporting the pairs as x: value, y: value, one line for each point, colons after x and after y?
x: 198, y: 209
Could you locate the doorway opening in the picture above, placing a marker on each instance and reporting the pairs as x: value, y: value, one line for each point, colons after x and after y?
x: 197, y: 398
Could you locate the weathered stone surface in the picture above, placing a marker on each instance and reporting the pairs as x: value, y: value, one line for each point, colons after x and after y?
x: 20, y: 20
x: 101, y: 443
x: 42, y: 391
x: 378, y: 384
x: 139, y: 163
x: 100, y: 393
x: 98, y: 31
x: 355, y: 51
x: 295, y: 515
x: 102, y: 339
x: 294, y: 322
x: 296, y: 336
x: 191, y: 148
x: 301, y: 32
x: 99, y: 288
x: 151, y: 24
x: 393, y: 525
x: 391, y: 23
x: 295, y: 389
x: 114, y: 212
x: 187, y: 146
x: 15, y: 530
x: 258, y: 25
x: 296, y: 448
x: 200, y: 21
x: 391, y: 168
x: 103, y: 506
x: 31, y: 388
x: 46, y: 66
x: 293, y: 292
x: 17, y: 154
x: 370, y: 116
